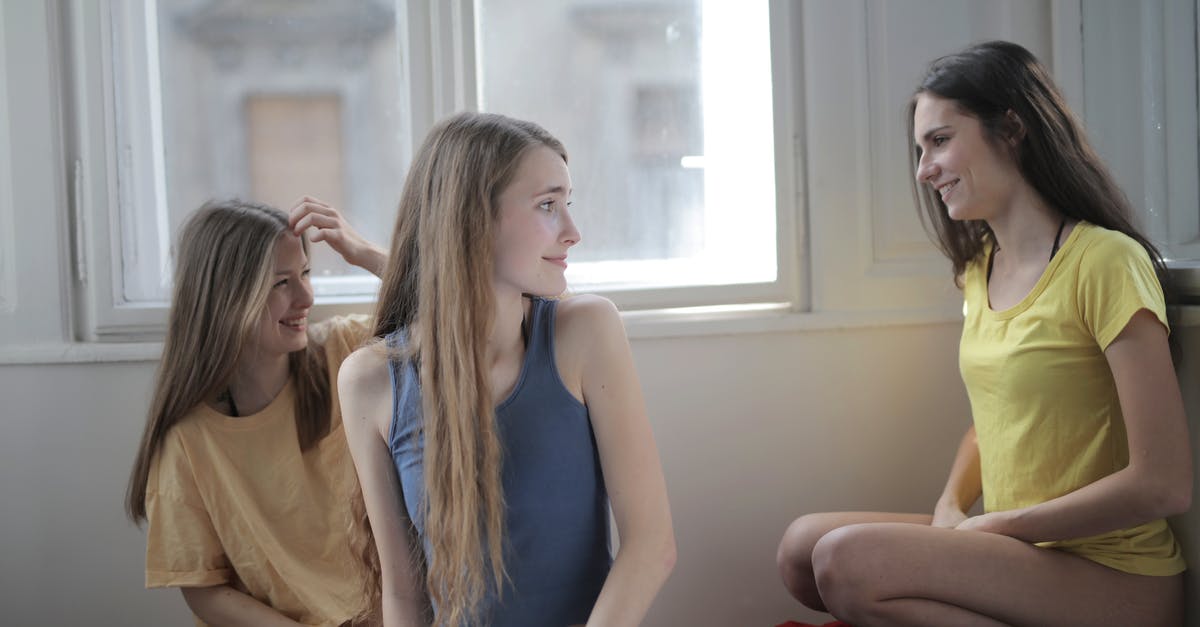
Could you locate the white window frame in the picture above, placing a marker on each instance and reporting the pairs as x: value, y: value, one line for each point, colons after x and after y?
x: 438, y: 77
x: 829, y: 268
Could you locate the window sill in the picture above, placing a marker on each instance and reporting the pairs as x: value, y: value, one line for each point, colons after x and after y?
x: 640, y: 325
x: 79, y: 353
x: 772, y: 318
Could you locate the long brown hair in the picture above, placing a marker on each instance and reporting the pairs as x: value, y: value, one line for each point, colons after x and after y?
x: 437, y: 285
x: 993, y: 81
x: 224, y: 270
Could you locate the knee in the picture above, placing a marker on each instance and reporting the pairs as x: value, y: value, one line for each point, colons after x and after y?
x: 846, y: 568
x: 794, y: 559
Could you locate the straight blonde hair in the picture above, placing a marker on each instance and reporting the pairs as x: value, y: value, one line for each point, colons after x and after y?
x: 437, y: 285
x: 224, y: 271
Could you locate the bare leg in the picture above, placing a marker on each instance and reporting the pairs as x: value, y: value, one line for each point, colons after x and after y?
x: 794, y: 556
x: 906, y: 574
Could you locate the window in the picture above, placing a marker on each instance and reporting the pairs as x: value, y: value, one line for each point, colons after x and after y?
x: 666, y: 112
x: 257, y: 100
x: 666, y: 109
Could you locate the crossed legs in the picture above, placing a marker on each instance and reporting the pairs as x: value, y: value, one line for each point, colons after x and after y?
x: 894, y: 569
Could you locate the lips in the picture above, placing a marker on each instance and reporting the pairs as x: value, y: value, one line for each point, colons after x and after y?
x: 558, y: 261
x: 296, y: 323
x: 944, y: 189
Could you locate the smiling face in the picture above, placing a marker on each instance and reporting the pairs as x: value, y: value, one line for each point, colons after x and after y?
x: 975, y: 178
x: 283, y: 327
x: 535, y: 228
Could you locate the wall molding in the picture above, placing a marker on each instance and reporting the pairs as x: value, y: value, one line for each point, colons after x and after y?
x: 8, y: 244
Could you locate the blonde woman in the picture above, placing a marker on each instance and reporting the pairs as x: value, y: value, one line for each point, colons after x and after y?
x: 492, y: 432
x: 243, y: 475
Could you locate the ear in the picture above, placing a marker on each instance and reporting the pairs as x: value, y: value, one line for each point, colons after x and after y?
x: 1014, y: 128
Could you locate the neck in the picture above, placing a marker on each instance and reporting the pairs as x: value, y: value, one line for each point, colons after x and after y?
x: 1026, y: 229
x: 506, y: 335
x: 256, y: 382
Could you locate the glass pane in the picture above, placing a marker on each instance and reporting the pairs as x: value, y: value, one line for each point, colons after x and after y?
x: 665, y: 110
x: 269, y: 100
x: 294, y: 142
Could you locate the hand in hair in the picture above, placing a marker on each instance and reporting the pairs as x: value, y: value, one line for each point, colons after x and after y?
x: 333, y: 229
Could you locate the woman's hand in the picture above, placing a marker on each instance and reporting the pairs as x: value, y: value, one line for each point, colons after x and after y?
x: 330, y: 227
x: 993, y: 522
x: 947, y: 515
x: 963, y: 487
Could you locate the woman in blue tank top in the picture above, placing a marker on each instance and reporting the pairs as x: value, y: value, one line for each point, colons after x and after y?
x: 491, y: 427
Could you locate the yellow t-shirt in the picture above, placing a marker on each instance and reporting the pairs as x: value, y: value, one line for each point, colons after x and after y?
x: 1042, y: 396
x: 234, y: 501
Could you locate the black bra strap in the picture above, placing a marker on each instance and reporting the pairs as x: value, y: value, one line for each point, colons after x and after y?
x: 1053, y: 250
x: 1057, y: 237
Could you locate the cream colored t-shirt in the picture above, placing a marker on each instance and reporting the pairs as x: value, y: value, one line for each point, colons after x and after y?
x: 1043, y: 399
x: 234, y: 501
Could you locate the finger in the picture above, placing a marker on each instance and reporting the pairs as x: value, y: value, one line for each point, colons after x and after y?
x: 314, y: 221
x: 306, y: 206
x: 311, y: 200
x: 317, y: 221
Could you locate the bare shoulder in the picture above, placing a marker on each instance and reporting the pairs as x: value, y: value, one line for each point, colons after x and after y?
x: 588, y: 336
x: 365, y: 366
x: 587, y: 317
x: 364, y: 387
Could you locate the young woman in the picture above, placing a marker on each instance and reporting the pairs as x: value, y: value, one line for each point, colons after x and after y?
x: 1079, y: 445
x: 243, y: 475
x: 491, y: 426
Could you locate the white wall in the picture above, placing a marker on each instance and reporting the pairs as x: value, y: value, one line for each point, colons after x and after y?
x: 754, y: 430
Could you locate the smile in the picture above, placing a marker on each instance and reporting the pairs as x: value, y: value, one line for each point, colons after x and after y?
x: 945, y: 189
x: 295, y: 323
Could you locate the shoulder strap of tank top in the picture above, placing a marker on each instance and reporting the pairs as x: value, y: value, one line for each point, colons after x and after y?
x: 541, y: 326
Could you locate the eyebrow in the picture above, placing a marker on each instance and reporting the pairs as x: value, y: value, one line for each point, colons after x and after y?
x: 306, y: 267
x: 554, y: 189
x: 931, y: 132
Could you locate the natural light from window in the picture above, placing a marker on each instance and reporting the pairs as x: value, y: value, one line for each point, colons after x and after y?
x: 665, y: 110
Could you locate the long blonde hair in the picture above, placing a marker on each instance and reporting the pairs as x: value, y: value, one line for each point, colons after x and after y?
x: 438, y: 286
x: 224, y: 270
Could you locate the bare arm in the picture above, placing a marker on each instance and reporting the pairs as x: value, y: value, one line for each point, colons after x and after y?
x: 366, y: 394
x: 1158, y: 480
x: 223, y: 606
x: 629, y: 460
x: 964, y: 485
x: 333, y: 229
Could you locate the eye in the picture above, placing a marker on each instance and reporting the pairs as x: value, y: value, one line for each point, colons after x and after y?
x: 938, y: 140
x: 280, y: 283
x: 306, y: 272
x: 547, y: 206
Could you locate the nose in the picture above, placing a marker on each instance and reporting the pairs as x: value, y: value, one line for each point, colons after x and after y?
x: 927, y: 169
x: 570, y: 234
x: 303, y: 293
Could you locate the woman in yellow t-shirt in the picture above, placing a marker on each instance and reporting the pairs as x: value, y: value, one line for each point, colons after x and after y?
x: 243, y: 475
x: 1079, y: 445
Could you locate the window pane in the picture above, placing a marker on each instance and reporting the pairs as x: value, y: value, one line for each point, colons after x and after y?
x: 295, y: 141
x: 665, y: 109
x: 271, y: 100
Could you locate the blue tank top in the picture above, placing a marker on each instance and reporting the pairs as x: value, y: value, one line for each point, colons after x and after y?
x: 556, y: 507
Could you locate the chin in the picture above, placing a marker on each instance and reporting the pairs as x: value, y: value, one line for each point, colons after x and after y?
x: 960, y: 214
x: 292, y: 347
